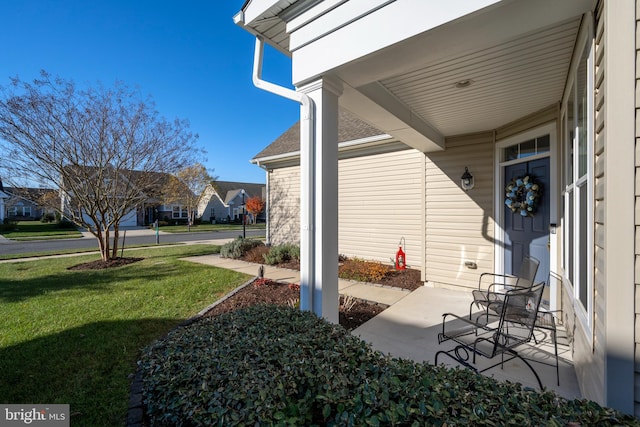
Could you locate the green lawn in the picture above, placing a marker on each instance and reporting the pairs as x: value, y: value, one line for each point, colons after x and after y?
x: 29, y: 230
x: 210, y: 227
x: 74, y: 336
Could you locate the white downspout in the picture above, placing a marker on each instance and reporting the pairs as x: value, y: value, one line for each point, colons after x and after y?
x: 307, y: 174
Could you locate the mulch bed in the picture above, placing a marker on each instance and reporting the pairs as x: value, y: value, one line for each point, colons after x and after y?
x: 100, y: 264
x: 270, y: 292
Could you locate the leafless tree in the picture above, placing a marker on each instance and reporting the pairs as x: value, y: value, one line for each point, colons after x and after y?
x: 186, y: 188
x: 105, y: 149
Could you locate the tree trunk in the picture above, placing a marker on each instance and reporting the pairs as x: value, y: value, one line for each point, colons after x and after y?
x: 116, y: 236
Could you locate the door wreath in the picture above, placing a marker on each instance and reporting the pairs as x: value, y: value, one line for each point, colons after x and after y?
x: 522, y: 195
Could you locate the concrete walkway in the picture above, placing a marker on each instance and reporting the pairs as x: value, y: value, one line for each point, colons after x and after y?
x: 365, y: 291
x: 409, y: 327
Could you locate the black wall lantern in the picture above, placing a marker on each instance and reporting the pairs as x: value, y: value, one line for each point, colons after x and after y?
x: 467, y: 181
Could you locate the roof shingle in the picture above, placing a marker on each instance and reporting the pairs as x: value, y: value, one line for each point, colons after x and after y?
x: 350, y: 128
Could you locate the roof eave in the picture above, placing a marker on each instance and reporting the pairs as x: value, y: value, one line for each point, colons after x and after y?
x: 380, y: 143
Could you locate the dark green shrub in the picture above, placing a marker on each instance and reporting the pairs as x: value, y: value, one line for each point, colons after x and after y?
x: 65, y: 224
x: 47, y: 218
x: 282, y: 253
x: 269, y: 365
x: 238, y: 248
x: 8, y: 225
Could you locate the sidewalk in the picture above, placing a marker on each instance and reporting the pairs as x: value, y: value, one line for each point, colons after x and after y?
x: 365, y: 291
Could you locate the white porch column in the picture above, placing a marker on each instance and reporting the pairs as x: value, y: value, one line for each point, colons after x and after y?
x: 322, y: 206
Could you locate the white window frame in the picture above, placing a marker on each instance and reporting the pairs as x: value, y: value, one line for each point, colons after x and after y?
x: 500, y: 164
x: 183, y: 212
x: 571, y: 185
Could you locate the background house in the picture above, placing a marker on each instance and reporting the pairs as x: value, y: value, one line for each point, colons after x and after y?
x: 28, y: 204
x: 160, y: 196
x: 507, y: 89
x: 222, y: 201
x: 3, y: 197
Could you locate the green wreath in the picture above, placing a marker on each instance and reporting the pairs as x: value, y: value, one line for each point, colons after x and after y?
x: 522, y: 195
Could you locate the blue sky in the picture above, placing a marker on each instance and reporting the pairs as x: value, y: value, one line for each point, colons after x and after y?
x: 187, y: 55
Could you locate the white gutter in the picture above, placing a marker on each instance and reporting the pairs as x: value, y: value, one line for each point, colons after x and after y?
x: 307, y: 176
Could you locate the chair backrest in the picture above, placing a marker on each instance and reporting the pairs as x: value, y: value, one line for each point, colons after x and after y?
x: 518, y: 315
x: 527, y: 272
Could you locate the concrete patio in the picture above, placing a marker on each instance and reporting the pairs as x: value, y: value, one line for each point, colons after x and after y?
x: 409, y: 327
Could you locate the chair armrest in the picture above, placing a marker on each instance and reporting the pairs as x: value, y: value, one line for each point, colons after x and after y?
x: 491, y: 279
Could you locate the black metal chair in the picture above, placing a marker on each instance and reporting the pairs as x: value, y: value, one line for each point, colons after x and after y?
x: 490, y: 303
x: 546, y: 321
x: 492, y: 336
x: 492, y: 286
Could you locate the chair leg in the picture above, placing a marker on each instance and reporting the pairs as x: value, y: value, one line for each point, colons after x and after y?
x: 554, y: 335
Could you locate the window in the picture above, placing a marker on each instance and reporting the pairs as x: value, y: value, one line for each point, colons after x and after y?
x: 529, y: 148
x: 577, y: 207
x: 179, y: 212
x: 19, y: 210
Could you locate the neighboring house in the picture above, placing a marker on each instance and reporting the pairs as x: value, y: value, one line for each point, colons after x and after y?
x: 507, y: 89
x: 151, y: 188
x: 222, y: 201
x: 3, y: 198
x: 27, y: 204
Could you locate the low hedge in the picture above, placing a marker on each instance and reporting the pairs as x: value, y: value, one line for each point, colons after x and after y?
x: 238, y: 247
x: 273, y: 365
x: 282, y: 253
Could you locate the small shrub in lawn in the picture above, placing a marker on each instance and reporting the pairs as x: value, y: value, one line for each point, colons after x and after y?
x: 238, y: 248
x: 282, y: 253
x: 8, y: 225
x: 363, y: 271
x: 47, y: 218
x: 275, y: 365
x: 65, y: 224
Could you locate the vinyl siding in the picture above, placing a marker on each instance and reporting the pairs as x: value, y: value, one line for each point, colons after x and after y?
x: 284, y: 206
x: 536, y: 119
x: 637, y: 223
x: 459, y: 225
x: 379, y: 201
x: 590, y: 356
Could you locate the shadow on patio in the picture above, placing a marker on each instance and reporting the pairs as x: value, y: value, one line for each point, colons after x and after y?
x: 409, y: 329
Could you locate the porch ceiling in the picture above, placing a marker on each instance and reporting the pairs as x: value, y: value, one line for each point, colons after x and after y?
x: 505, y: 82
x: 472, y: 74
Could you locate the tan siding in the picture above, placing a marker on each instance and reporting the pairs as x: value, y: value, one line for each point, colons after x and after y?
x: 590, y: 360
x: 546, y: 115
x: 637, y: 221
x: 284, y: 205
x: 459, y: 224
x: 380, y: 201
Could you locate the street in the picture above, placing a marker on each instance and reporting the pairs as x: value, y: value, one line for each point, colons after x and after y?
x: 133, y: 237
